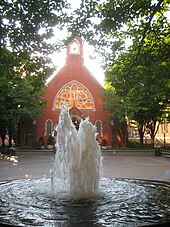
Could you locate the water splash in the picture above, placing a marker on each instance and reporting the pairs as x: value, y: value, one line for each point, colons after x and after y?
x: 77, y: 163
x: 125, y: 202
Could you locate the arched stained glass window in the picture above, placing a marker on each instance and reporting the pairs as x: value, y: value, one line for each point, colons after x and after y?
x: 75, y: 94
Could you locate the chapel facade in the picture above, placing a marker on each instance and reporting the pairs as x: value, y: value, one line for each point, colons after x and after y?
x: 82, y: 93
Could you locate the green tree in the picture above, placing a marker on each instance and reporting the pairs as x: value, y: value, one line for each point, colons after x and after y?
x: 145, y: 87
x: 140, y: 76
x: 110, y: 23
x: 19, y: 95
x: 115, y: 105
x: 25, y: 31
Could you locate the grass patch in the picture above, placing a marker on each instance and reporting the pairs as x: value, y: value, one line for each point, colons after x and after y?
x: 164, y: 149
x: 138, y: 146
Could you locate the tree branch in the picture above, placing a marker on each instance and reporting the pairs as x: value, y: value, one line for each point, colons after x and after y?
x: 155, y: 10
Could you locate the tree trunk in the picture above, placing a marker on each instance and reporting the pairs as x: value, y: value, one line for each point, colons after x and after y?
x: 10, y: 139
x: 10, y: 130
x: 152, y: 131
x: 19, y: 137
x: 3, y: 140
x: 3, y: 131
x: 152, y: 140
x: 141, y: 134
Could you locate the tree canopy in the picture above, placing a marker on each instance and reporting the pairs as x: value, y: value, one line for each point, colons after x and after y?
x: 141, y: 75
x: 138, y: 73
x: 25, y: 31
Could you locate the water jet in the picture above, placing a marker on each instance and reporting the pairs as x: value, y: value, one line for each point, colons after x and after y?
x: 75, y: 195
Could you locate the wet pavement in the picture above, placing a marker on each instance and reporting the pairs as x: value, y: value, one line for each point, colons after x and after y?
x: 134, y: 165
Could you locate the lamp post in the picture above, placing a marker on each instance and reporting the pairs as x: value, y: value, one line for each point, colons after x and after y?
x: 34, y: 125
x: 164, y: 133
x: 112, y: 130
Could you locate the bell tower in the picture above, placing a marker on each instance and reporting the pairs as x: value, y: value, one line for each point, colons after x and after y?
x: 75, y: 52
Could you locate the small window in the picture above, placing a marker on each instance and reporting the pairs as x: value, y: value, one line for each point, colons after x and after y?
x: 48, y: 127
x: 75, y: 48
x: 99, y: 128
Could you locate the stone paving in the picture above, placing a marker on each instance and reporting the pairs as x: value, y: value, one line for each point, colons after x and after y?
x: 135, y: 165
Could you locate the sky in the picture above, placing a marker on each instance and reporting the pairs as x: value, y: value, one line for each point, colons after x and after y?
x: 93, y: 65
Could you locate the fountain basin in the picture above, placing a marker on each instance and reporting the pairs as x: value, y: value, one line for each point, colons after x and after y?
x: 120, y: 202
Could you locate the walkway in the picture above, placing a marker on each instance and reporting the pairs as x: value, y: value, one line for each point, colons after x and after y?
x: 136, y: 165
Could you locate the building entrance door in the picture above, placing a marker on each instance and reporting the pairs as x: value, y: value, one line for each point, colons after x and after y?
x: 76, y: 122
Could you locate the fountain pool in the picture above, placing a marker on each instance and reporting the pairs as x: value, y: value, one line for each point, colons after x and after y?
x: 76, y: 196
x: 120, y: 202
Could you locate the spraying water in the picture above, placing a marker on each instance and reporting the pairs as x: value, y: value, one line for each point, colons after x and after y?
x: 77, y: 163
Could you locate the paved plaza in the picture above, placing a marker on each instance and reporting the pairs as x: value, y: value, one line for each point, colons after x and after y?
x: 135, y: 165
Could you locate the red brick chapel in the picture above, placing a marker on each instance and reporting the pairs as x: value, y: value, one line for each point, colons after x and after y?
x: 82, y: 92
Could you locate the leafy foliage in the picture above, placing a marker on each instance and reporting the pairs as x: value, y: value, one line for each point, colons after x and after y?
x: 25, y: 32
x: 145, y: 87
x: 138, y: 74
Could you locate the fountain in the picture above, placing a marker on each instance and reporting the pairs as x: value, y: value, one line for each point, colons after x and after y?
x: 75, y: 195
x: 77, y: 161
